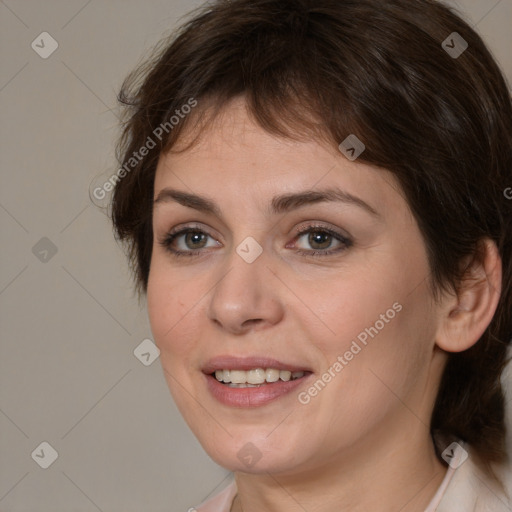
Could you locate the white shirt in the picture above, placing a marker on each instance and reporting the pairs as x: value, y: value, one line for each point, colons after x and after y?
x: 465, y: 488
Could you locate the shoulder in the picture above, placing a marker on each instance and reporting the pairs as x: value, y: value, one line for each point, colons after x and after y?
x: 470, y: 489
x: 221, y: 502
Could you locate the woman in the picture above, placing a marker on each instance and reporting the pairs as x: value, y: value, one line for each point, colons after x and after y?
x: 312, y: 197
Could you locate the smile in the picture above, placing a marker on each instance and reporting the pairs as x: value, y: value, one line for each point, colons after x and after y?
x: 246, y: 382
x: 255, y: 377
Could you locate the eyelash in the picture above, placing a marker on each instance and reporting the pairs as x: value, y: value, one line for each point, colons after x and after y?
x: 169, y: 238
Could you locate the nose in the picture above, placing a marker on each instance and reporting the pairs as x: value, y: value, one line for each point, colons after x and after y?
x: 246, y: 297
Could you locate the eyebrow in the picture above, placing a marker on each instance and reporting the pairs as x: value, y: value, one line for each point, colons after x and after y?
x: 279, y: 204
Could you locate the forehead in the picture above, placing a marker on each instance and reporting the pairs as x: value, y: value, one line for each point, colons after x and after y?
x: 234, y: 157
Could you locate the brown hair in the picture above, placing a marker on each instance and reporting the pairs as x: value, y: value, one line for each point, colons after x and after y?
x: 329, y: 68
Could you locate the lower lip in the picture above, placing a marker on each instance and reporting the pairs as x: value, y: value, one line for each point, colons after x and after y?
x: 252, y: 397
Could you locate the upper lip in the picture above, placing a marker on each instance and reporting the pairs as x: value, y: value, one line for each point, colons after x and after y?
x: 249, y: 363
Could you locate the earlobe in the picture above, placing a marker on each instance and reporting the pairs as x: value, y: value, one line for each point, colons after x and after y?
x: 468, y: 313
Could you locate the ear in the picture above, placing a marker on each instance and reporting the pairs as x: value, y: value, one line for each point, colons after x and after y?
x: 467, y: 314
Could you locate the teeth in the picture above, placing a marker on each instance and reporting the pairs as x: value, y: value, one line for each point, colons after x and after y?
x: 255, y: 377
x: 285, y: 375
x: 238, y: 376
x: 272, y: 375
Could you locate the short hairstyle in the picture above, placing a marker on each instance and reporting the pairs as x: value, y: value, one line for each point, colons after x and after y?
x: 440, y: 121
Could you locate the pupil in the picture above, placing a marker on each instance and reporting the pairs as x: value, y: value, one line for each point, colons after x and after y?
x: 193, y: 237
x: 315, y: 237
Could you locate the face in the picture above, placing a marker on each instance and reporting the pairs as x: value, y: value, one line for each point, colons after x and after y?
x: 258, y: 270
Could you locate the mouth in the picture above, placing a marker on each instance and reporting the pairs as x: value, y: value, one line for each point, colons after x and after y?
x: 255, y: 377
x: 252, y: 382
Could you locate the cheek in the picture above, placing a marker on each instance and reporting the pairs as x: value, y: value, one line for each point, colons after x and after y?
x: 171, y: 303
x: 385, y: 345
x: 354, y: 307
x: 381, y: 323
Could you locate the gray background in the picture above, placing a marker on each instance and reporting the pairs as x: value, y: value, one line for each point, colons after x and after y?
x: 70, y: 324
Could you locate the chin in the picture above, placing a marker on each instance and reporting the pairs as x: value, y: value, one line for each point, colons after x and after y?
x: 253, y: 453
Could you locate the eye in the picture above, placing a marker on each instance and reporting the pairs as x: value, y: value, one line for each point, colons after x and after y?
x: 189, y: 240
x: 321, y: 240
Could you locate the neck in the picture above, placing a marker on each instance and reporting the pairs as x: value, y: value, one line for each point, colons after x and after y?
x: 378, y: 476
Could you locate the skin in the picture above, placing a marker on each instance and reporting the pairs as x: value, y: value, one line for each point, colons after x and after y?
x: 363, y: 442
